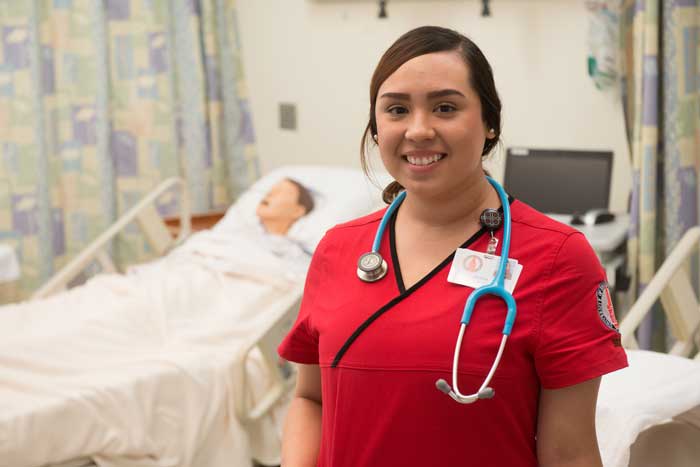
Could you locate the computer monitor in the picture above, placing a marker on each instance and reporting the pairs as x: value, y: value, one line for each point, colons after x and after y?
x: 559, y: 181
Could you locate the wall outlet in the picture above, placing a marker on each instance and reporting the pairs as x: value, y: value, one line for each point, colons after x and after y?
x: 288, y: 116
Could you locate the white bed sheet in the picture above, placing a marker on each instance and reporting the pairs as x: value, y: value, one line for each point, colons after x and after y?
x: 136, y: 369
x: 654, y: 388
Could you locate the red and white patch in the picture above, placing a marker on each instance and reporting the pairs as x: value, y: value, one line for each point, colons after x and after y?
x: 605, y: 307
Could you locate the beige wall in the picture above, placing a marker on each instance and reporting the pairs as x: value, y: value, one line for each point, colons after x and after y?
x: 319, y: 54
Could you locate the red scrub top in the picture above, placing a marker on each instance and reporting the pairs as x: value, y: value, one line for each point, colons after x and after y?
x: 380, y: 404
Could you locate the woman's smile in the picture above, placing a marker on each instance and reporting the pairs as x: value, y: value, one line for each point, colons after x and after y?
x: 423, y: 161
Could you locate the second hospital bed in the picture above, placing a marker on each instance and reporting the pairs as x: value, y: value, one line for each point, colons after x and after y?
x: 648, y: 414
x: 173, y: 363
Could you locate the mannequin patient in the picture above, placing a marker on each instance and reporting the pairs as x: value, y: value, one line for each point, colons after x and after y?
x: 285, y: 203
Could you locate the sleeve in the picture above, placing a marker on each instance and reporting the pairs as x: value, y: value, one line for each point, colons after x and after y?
x: 300, y: 345
x: 578, y: 337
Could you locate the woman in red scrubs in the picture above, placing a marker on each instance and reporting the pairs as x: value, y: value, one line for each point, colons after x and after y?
x: 370, y: 352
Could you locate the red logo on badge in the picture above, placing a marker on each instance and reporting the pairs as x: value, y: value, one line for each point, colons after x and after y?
x: 605, y: 307
x: 472, y: 263
x: 611, y: 311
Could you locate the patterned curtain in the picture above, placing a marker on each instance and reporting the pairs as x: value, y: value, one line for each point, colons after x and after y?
x: 660, y: 43
x: 102, y: 100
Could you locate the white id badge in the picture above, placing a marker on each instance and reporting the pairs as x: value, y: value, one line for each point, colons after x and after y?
x: 475, y: 269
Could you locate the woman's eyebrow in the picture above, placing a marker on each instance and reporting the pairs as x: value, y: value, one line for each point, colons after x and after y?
x: 431, y: 94
x: 444, y: 93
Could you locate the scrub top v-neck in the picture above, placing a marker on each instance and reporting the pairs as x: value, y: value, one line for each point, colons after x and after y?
x: 442, y: 264
x: 380, y: 405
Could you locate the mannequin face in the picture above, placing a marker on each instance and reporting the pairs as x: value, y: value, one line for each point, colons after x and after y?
x: 281, y: 204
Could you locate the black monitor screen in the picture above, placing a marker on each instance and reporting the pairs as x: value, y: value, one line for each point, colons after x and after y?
x: 559, y: 181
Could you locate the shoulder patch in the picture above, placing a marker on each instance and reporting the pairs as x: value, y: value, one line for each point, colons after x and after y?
x: 605, y: 307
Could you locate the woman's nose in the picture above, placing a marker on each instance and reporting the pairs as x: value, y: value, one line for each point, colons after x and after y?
x: 420, y: 128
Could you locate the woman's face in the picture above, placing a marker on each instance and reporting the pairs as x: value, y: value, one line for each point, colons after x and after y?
x: 429, y: 127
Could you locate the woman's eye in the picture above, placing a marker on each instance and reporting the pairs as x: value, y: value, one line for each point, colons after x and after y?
x: 445, y: 108
x: 396, y: 110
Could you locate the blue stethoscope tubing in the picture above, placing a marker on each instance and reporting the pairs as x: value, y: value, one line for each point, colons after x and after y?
x: 385, y: 220
x: 495, y: 287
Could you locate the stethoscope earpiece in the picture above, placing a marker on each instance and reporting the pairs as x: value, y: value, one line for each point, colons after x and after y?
x: 371, y: 267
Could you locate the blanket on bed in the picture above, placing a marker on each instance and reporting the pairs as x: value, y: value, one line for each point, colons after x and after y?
x: 135, y: 369
x: 654, y: 388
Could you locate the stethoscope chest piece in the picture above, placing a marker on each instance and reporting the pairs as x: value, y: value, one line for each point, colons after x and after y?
x: 371, y: 267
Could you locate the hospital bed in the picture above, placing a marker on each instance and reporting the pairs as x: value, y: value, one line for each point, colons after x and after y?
x: 173, y: 363
x: 649, y: 414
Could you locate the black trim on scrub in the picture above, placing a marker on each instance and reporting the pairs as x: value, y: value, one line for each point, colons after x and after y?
x: 394, y: 254
x: 404, y: 293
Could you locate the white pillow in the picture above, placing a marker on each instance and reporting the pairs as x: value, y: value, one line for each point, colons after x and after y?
x: 340, y: 194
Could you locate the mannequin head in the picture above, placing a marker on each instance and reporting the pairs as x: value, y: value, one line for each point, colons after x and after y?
x: 285, y: 203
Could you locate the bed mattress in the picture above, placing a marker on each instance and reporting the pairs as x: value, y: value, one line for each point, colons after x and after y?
x: 653, y: 390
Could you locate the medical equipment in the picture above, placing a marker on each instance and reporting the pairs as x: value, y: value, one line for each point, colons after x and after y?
x: 372, y: 267
x: 559, y: 181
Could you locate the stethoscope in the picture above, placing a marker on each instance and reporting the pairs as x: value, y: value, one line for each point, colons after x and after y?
x: 371, y: 267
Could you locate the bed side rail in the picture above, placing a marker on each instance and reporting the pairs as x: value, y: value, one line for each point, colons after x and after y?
x: 672, y: 284
x: 249, y: 405
x: 144, y: 213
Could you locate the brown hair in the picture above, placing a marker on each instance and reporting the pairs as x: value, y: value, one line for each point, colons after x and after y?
x: 422, y: 41
x: 305, y: 199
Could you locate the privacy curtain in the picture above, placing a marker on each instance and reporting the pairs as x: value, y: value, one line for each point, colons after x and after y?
x: 660, y: 50
x: 102, y: 100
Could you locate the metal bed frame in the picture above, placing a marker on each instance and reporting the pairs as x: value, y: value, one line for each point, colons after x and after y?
x: 158, y: 236
x: 673, y: 285
x: 144, y: 213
